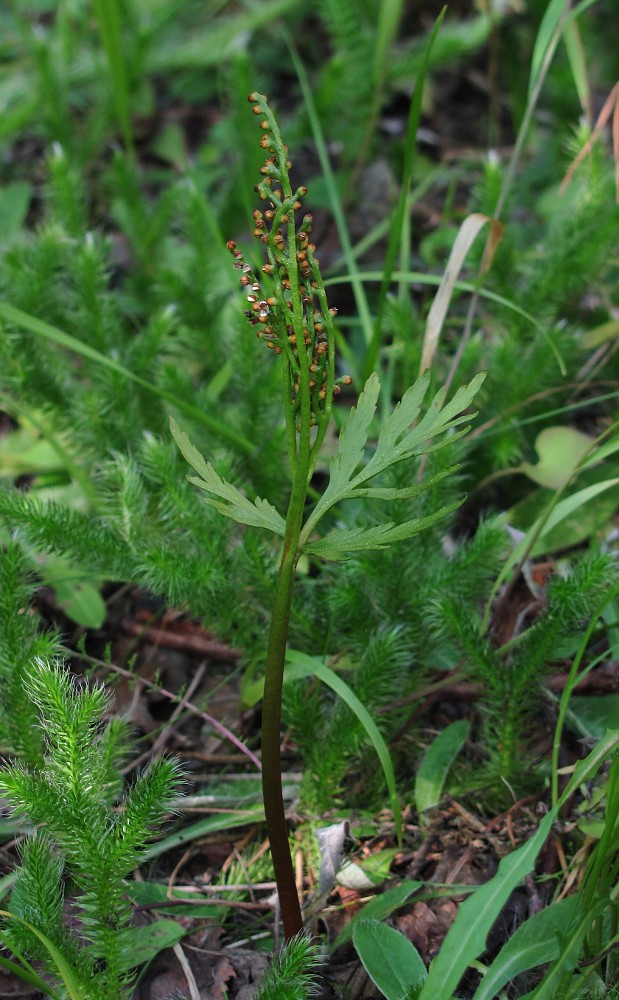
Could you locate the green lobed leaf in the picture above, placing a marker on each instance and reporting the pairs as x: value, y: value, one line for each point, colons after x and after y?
x: 398, y: 441
x: 353, y: 438
x: 439, y: 418
x: 399, y: 422
x: 436, y: 762
x: 405, y: 492
x: 380, y: 536
x: 391, y: 960
x: 260, y: 514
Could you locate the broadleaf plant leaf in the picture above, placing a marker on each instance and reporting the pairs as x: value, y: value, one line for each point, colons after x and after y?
x: 560, y: 451
x: 436, y: 762
x: 147, y: 941
x: 533, y: 943
x: 391, y: 960
x: 399, y: 440
x: 571, y: 944
x: 231, y: 502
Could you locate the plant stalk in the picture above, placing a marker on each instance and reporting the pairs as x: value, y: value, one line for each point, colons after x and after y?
x: 303, y: 337
x: 277, y: 828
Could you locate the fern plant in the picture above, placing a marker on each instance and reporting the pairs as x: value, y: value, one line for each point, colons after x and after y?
x: 297, y: 325
x: 90, y: 835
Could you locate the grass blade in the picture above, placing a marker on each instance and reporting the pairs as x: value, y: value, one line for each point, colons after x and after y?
x: 65, y: 971
x: 215, y: 43
x: 569, y: 954
x: 419, y: 278
x: 25, y: 972
x: 317, y: 668
x: 361, y: 301
x: 578, y: 65
x: 212, y: 824
x: 391, y: 960
x: 399, y: 220
x: 464, y: 240
x: 389, y: 14
x: 109, y: 18
x: 466, y: 939
x: 547, y: 37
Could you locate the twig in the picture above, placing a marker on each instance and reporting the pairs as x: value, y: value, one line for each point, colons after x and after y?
x: 219, y: 726
x: 190, y: 643
x: 159, y: 743
x: 189, y: 976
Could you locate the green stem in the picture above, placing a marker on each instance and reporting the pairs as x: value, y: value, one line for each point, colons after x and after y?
x: 294, y: 318
x: 272, y: 700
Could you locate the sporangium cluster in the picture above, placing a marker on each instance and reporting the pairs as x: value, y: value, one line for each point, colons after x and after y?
x: 296, y: 316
